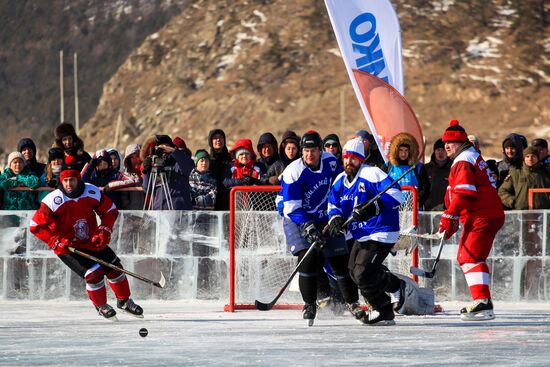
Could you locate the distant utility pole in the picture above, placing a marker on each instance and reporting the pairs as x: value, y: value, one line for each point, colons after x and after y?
x: 342, y: 111
x: 62, y: 112
x: 76, y: 114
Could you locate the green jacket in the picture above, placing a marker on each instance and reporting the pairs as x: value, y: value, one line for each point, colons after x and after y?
x: 19, y: 200
x: 514, y: 190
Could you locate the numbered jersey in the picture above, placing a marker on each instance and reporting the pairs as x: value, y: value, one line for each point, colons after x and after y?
x: 472, y: 190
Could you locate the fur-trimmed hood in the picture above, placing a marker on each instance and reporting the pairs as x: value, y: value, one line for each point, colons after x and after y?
x: 399, y: 140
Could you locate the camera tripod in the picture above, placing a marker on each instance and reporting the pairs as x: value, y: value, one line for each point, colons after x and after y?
x: 158, y: 172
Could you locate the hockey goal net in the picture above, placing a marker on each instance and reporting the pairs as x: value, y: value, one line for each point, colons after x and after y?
x: 259, y: 262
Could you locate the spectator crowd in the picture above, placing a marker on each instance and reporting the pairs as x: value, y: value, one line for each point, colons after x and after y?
x: 170, y: 176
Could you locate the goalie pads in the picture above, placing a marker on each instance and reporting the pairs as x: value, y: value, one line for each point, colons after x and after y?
x: 418, y: 301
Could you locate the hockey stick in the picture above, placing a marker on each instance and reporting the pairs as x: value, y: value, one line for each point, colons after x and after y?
x: 426, y: 236
x: 160, y: 284
x: 431, y: 273
x: 268, y: 306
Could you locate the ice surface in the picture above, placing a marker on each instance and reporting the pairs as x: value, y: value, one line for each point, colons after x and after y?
x: 50, y: 333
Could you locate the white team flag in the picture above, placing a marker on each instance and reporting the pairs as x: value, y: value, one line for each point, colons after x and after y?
x: 369, y: 38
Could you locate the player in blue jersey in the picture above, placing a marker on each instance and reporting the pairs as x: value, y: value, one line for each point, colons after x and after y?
x: 375, y: 231
x: 303, y: 202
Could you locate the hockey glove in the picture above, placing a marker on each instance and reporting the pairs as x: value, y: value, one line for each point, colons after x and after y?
x: 59, y: 245
x: 364, y: 212
x: 312, y: 234
x: 335, y: 228
x: 102, y: 237
x: 449, y: 224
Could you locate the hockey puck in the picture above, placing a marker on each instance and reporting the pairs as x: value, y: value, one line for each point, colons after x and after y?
x: 143, y: 332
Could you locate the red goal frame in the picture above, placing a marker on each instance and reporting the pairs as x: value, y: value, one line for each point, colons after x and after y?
x: 232, y: 305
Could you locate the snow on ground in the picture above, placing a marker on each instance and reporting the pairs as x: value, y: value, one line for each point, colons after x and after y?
x: 199, y: 334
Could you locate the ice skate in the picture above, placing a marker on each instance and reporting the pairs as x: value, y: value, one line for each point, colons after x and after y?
x: 107, y: 311
x: 309, y: 311
x: 397, y: 298
x: 128, y: 306
x: 357, y: 312
x: 480, y: 310
x: 382, y: 317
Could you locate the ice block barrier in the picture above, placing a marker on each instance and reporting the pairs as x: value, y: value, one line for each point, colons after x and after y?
x: 191, y: 249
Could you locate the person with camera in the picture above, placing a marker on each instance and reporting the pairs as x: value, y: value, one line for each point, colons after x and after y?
x: 164, y: 161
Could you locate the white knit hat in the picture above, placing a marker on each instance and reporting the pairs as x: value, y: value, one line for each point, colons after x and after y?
x: 355, y: 148
x: 14, y: 155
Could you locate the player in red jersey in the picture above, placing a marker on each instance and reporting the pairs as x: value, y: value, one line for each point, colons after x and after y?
x: 67, y: 218
x: 472, y: 199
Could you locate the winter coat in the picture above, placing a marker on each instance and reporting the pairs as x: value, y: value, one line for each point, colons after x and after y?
x: 267, y: 138
x: 177, y: 169
x: 516, y: 161
x: 77, y: 151
x: 114, y: 151
x: 438, y: 174
x: 417, y: 177
x: 375, y: 159
x: 274, y: 172
x: 19, y: 200
x: 102, y: 179
x: 514, y: 190
x: 244, y: 175
x: 33, y: 166
x: 130, y: 200
x: 219, y: 161
x: 53, y: 183
x: 203, y: 189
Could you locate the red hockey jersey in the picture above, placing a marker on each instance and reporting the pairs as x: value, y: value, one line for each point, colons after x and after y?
x: 472, y: 190
x: 74, y: 219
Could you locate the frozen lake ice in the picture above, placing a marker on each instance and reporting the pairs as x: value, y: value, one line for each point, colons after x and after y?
x: 69, y: 333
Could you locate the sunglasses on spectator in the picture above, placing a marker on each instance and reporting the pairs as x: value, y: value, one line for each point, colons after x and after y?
x: 331, y: 145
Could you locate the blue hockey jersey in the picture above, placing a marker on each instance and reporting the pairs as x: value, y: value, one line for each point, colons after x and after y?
x: 368, y: 182
x: 304, y: 194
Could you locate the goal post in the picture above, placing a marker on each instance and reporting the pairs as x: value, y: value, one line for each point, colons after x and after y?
x: 259, y: 261
x: 532, y: 192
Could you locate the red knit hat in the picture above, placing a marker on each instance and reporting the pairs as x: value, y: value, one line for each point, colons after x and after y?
x: 179, y: 142
x: 69, y: 169
x: 455, y: 133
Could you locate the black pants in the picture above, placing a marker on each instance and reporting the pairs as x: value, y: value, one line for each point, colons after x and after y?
x: 309, y: 272
x: 80, y: 264
x: 372, y: 278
